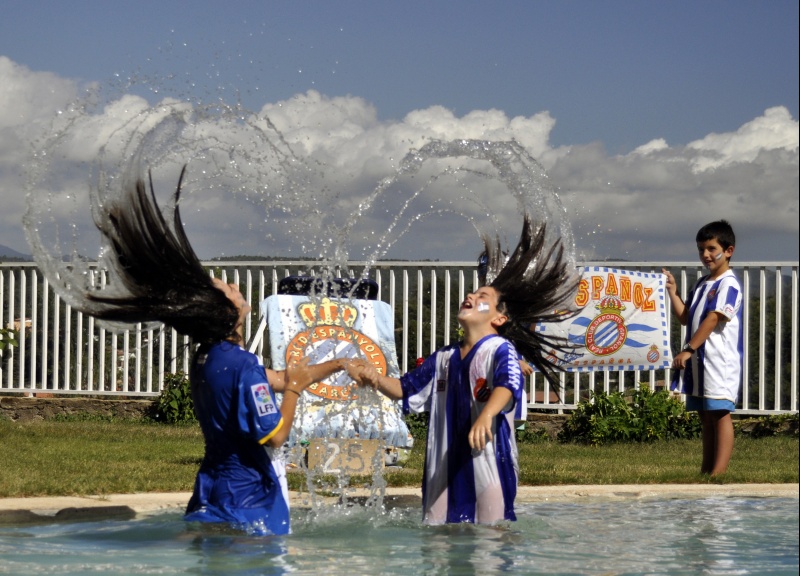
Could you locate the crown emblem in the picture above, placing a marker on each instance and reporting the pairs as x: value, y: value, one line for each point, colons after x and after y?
x: 610, y: 305
x: 327, y: 313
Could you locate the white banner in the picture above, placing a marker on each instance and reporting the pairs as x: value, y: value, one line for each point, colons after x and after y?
x: 622, y: 324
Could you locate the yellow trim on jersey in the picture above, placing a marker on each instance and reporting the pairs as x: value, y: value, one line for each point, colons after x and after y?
x: 266, y: 438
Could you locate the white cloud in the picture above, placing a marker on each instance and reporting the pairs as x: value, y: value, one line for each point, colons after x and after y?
x: 653, y: 146
x: 775, y: 130
x: 254, y: 190
x: 28, y: 101
x: 659, y: 196
x: 27, y: 96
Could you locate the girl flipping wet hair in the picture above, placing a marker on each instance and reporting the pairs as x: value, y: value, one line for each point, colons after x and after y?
x: 474, y: 390
x: 154, y: 275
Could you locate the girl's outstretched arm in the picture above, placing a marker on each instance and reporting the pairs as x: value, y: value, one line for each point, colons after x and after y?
x: 291, y: 382
x: 365, y: 374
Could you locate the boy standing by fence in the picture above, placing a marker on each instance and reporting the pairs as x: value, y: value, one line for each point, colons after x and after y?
x: 709, y: 366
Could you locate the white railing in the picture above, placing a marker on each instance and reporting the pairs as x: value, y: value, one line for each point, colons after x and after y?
x: 62, y: 351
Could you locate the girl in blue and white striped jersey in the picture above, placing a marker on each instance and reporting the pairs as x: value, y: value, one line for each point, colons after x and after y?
x: 474, y: 390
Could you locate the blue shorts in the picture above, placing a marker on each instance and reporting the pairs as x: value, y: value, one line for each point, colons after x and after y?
x: 698, y: 404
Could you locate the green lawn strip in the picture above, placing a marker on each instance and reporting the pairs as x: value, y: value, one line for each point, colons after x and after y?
x: 49, y: 458
x: 762, y: 460
x: 63, y: 458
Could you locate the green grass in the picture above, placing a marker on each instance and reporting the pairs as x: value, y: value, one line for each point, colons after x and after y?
x: 63, y: 458
x: 52, y: 458
x: 764, y: 460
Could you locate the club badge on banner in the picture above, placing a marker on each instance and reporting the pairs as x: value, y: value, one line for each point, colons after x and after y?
x: 324, y: 329
x: 622, y: 324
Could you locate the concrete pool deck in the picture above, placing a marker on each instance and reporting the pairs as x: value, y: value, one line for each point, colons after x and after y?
x: 79, y: 508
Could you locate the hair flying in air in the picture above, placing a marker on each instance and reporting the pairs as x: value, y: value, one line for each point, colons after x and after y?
x: 155, y: 274
x: 534, y: 284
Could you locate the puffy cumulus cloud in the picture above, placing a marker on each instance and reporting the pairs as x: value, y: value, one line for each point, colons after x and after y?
x: 344, y: 116
x: 345, y: 130
x: 439, y: 123
x: 111, y: 131
x: 775, y: 130
x: 653, y: 146
x: 350, y: 155
x: 27, y: 96
x: 295, y: 176
x: 28, y: 101
x: 647, y: 205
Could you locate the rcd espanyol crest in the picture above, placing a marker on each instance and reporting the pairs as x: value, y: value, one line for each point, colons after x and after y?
x: 330, y: 334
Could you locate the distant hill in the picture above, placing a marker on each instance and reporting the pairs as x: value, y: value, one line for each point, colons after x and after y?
x: 10, y: 255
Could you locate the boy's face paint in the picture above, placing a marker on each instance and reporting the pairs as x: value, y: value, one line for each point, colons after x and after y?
x: 483, y: 307
x: 713, y: 256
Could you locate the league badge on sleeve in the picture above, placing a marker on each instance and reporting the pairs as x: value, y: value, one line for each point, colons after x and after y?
x: 263, y: 400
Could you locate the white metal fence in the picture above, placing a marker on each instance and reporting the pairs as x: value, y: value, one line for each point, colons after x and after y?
x: 62, y: 351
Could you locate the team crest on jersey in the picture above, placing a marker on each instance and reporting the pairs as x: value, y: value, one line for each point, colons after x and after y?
x: 330, y: 334
x: 263, y: 400
x: 482, y: 391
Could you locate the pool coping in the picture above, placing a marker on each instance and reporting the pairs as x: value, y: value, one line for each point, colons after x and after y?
x: 81, y: 508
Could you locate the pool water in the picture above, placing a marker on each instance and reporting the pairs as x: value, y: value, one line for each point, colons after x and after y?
x: 692, y: 536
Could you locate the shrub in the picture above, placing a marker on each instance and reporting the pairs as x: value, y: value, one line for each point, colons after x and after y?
x: 663, y: 416
x: 174, y: 405
x: 417, y: 426
x: 773, y: 425
x: 8, y: 339
x: 646, y: 417
x: 530, y: 435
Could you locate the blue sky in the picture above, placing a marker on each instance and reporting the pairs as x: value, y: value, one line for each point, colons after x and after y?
x: 609, y: 78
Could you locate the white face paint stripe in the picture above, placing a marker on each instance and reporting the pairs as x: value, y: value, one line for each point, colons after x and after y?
x: 483, y: 307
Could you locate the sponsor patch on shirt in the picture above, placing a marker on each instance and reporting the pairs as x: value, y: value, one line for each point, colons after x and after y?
x: 263, y: 400
x: 728, y: 311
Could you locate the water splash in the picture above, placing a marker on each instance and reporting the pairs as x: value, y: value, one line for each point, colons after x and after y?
x: 502, y: 166
x: 243, y: 169
x: 238, y: 156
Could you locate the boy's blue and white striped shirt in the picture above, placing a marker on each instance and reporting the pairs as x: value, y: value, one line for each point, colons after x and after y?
x: 715, y: 370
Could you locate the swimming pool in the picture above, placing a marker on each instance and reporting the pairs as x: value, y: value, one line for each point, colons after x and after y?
x: 714, y: 535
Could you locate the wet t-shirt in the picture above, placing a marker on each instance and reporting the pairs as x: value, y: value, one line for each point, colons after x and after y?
x: 462, y: 484
x: 241, y: 481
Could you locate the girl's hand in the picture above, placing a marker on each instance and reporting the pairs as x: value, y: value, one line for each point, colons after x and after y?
x: 298, y: 375
x: 480, y: 433
x: 363, y: 373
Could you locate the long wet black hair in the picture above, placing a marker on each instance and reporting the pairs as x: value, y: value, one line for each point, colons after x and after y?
x: 534, y: 284
x: 160, y: 275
